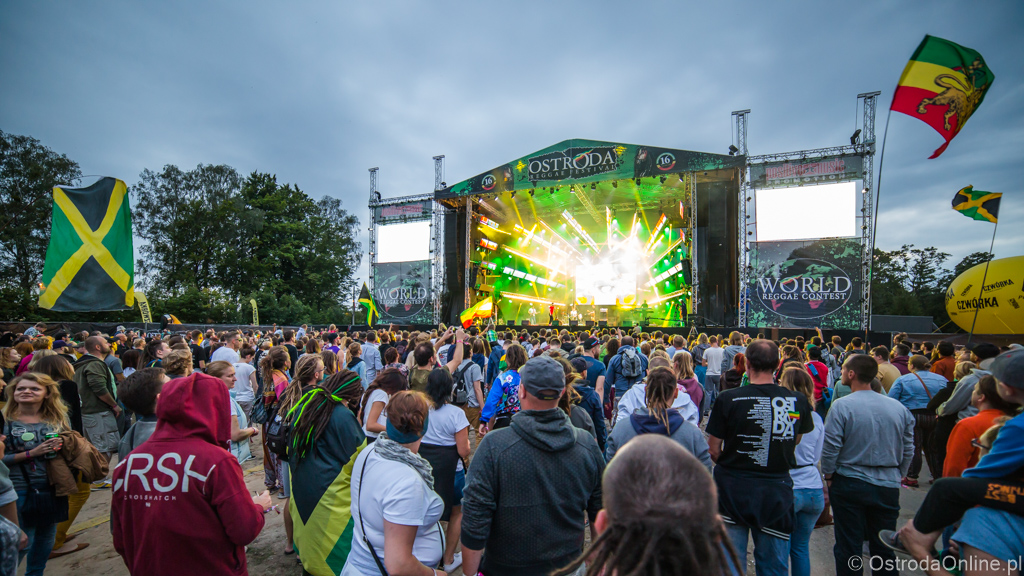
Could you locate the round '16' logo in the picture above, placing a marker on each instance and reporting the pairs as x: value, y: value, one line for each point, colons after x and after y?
x: 488, y: 182
x: 665, y: 161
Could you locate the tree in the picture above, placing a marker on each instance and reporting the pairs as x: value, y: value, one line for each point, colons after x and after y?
x: 28, y: 173
x: 969, y: 261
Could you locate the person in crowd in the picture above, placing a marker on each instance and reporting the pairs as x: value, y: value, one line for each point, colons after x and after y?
x: 371, y: 355
x: 914, y: 390
x: 274, y: 366
x: 244, y: 392
x: 808, y: 494
x: 35, y: 416
x: 494, y: 360
x: 100, y: 410
x: 736, y: 346
x: 887, y: 373
x: 139, y: 393
x: 682, y: 365
x: 153, y: 355
x: 177, y: 363
x: 733, y: 377
x: 60, y: 371
x: 752, y: 434
x: 205, y: 526
x: 9, y: 359
x: 595, y: 372
x: 130, y: 361
x: 241, y: 432
x: 112, y: 362
x: 469, y: 377
x: 503, y: 398
x: 391, y: 360
x: 446, y: 446
x: 635, y: 399
x: 657, y: 500
x: 509, y: 530
x: 658, y: 417
x: 901, y: 358
x: 290, y: 347
x: 325, y: 439
x: 569, y: 402
x: 199, y: 354
x: 711, y: 358
x: 625, y: 369
x: 991, y: 539
x: 479, y: 356
x: 946, y: 363
x: 590, y: 401
x: 229, y: 351
x: 40, y: 343
x: 944, y: 423
x: 375, y: 400
x: 869, y: 446
x: 961, y: 450
x: 330, y: 360
x: 790, y: 357
x: 959, y: 402
x: 394, y: 505
x: 355, y: 361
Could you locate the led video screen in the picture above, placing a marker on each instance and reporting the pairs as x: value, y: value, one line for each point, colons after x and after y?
x: 406, y: 242
x: 807, y: 212
x: 606, y: 282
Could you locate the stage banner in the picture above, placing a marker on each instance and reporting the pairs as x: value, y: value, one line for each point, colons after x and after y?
x: 403, y: 212
x: 812, y: 171
x: 582, y: 161
x: 402, y: 292
x: 255, y: 312
x: 147, y: 314
x: 806, y: 285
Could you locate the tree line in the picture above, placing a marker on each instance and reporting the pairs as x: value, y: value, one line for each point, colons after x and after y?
x: 211, y: 241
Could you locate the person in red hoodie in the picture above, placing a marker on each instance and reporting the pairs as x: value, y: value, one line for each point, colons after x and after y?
x: 179, y: 503
x: 819, y: 374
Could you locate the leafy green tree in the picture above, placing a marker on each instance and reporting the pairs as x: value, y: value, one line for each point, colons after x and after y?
x: 969, y: 261
x: 28, y: 173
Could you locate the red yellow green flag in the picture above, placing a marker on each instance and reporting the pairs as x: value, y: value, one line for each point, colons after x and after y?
x: 481, y: 309
x: 943, y: 84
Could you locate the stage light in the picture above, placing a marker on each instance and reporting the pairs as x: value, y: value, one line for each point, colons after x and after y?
x: 663, y: 179
x: 547, y: 265
x: 525, y: 298
x: 579, y: 230
x: 733, y: 150
x: 513, y: 194
x: 675, y: 294
x: 487, y: 244
x: 856, y: 135
x: 649, y: 247
x: 636, y: 181
x: 593, y: 185
x: 531, y: 192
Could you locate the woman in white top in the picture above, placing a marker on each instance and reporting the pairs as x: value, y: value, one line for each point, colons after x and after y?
x: 372, y: 412
x: 445, y: 446
x: 394, y: 506
x: 808, y: 494
x: 241, y: 432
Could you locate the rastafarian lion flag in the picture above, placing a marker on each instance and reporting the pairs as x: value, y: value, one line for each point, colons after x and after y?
x: 90, y: 262
x: 942, y: 85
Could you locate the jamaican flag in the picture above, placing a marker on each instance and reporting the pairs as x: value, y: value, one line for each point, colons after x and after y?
x: 371, y: 307
x: 321, y: 497
x: 976, y: 204
x: 942, y: 85
x: 90, y: 262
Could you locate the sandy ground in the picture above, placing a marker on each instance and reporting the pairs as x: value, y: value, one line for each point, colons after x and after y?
x: 266, y: 553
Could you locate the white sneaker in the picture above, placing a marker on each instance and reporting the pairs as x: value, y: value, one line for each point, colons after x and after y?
x: 456, y: 562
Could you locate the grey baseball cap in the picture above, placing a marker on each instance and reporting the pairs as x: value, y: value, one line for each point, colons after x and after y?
x: 1008, y: 368
x: 542, y: 377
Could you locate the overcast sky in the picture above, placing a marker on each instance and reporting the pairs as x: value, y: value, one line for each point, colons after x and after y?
x: 317, y: 93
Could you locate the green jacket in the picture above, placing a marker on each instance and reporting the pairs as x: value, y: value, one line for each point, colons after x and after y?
x: 94, y: 379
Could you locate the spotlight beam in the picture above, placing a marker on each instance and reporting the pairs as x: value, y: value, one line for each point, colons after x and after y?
x: 532, y: 259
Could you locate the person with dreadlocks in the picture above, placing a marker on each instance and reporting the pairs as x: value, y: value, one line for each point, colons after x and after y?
x: 325, y: 441
x: 659, y: 515
x: 658, y: 417
x: 274, y: 365
x: 308, y: 371
x: 570, y: 401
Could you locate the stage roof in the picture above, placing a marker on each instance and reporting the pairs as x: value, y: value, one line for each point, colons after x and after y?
x: 577, y: 162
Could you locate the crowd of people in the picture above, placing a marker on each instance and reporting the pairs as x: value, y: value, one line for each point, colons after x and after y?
x: 538, y: 451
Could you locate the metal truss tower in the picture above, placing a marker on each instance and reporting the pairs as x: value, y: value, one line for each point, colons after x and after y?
x: 439, y: 172
x: 869, y: 100
x: 739, y: 120
x: 374, y: 199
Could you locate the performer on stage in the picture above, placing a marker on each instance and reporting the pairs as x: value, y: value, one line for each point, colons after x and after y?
x: 551, y: 313
x: 533, y: 315
x: 645, y: 312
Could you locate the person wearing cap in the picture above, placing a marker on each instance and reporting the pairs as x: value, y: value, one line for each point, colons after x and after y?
x: 530, y: 484
x: 595, y: 368
x: 987, y: 532
x: 959, y: 402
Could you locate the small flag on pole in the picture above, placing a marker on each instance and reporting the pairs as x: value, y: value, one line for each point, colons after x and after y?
x: 371, y: 307
x: 481, y: 309
x: 942, y: 85
x: 976, y: 204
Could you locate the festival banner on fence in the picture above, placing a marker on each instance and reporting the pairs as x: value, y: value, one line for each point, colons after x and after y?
x: 806, y: 284
x: 403, y: 212
x: 582, y: 161
x: 255, y: 312
x: 402, y: 292
x: 147, y: 314
x: 815, y: 171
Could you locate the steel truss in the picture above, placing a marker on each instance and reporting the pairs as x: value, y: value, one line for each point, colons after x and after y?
x: 740, y: 119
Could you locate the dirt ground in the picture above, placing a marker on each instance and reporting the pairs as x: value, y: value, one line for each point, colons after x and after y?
x: 266, y: 554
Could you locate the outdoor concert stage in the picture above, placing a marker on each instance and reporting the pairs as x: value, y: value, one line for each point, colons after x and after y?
x: 598, y: 230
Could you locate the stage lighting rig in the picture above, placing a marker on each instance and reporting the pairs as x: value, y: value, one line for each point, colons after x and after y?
x: 733, y: 149
x: 593, y: 185
x: 512, y: 195
x: 856, y: 135
x: 531, y: 193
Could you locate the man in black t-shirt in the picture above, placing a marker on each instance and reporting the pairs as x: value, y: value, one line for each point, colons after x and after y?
x: 200, y: 355
x: 293, y: 352
x: 753, y: 433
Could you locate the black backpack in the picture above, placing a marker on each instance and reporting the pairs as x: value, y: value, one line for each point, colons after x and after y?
x: 460, y: 391
x: 278, y: 434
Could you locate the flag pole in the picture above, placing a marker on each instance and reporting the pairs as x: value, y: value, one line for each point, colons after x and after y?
x: 874, y: 218
x: 984, y: 277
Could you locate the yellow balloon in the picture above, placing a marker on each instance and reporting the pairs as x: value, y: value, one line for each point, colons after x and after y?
x: 1000, y: 306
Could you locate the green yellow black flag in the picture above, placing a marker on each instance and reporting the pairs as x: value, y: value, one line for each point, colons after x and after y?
x: 90, y: 262
x: 367, y: 300
x: 976, y: 204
